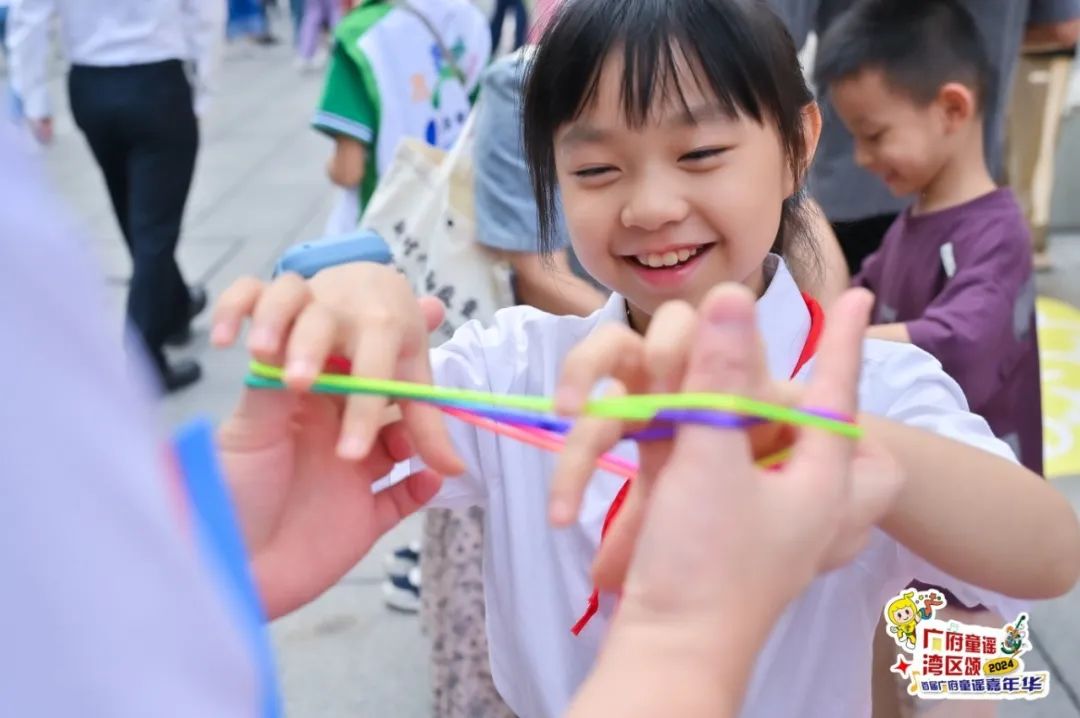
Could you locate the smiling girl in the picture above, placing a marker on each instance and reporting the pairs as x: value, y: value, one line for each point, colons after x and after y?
x: 677, y: 133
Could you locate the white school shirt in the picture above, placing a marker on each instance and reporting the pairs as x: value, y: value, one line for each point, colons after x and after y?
x: 816, y: 662
x: 111, y: 33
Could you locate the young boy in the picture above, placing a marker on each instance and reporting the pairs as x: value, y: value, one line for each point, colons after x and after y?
x: 398, y: 69
x: 954, y: 274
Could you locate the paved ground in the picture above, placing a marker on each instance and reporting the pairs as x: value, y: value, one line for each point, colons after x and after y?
x: 260, y: 187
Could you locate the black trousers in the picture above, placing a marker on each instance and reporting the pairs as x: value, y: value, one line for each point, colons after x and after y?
x: 140, y: 123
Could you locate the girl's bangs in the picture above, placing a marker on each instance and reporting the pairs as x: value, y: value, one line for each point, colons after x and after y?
x: 661, y: 49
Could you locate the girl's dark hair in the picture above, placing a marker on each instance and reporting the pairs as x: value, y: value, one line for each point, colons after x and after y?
x: 738, y: 49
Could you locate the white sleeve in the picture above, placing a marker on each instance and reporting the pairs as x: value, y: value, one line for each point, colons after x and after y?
x: 28, y: 54
x: 204, y: 30
x: 501, y: 358
x: 461, y: 363
x: 909, y: 386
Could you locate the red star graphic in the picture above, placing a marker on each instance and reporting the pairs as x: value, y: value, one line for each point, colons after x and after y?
x: 901, y: 666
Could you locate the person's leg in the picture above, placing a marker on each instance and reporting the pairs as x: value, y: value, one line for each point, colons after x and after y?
x: 3, y: 30
x: 498, y: 18
x: 11, y: 104
x: 1030, y: 91
x: 1058, y: 71
x: 296, y: 10
x: 334, y: 12
x: 310, y: 28
x: 164, y: 137
x: 453, y: 616
x: 1039, y: 97
x: 90, y: 95
x: 521, y: 18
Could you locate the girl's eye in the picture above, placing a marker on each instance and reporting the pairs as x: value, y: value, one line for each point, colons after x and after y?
x: 876, y: 136
x: 590, y: 172
x: 703, y: 154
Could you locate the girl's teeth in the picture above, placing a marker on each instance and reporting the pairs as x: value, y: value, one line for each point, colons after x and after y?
x: 667, y: 259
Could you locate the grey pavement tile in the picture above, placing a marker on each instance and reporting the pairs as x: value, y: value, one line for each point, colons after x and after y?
x: 347, y: 655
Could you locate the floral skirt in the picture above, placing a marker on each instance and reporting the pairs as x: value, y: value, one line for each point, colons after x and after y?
x: 452, y: 612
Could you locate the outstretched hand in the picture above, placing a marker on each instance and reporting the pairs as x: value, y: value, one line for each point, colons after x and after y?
x: 308, y: 514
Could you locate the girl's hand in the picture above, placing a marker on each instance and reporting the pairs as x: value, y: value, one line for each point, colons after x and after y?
x: 307, y: 511
x: 365, y: 312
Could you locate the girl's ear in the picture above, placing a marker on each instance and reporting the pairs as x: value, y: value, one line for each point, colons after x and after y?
x: 811, y: 129
x: 811, y: 114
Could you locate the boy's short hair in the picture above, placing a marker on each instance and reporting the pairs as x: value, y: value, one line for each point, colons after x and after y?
x: 918, y: 45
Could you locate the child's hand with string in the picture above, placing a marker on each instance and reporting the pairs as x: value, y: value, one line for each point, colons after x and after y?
x: 719, y: 546
x: 301, y: 465
x: 658, y: 363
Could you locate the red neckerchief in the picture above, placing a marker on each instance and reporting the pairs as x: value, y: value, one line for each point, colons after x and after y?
x: 817, y: 324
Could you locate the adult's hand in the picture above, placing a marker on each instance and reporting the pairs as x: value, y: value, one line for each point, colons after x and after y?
x: 716, y: 555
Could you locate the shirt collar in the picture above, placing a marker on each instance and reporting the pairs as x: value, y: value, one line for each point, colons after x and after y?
x: 782, y: 317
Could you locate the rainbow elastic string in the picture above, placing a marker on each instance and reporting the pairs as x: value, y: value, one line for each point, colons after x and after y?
x: 532, y: 419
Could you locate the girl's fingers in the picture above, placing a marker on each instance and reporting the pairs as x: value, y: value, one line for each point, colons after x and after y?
x: 589, y: 439
x: 278, y: 307
x: 395, y: 439
x: 231, y: 309
x: 612, y: 350
x: 404, y: 498
x: 667, y: 351
x: 374, y: 356
x: 314, y: 336
x: 667, y: 345
x: 434, y: 312
x: 822, y: 457
x: 425, y: 423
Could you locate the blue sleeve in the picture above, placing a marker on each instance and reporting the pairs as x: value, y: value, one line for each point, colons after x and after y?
x: 505, y: 204
x: 218, y: 535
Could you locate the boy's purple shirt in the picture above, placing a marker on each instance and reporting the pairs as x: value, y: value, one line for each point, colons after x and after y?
x: 961, y: 280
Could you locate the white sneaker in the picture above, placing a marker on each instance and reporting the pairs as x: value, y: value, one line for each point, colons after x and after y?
x: 403, y: 560
x: 402, y: 593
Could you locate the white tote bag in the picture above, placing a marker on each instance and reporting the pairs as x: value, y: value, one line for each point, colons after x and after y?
x: 423, y: 207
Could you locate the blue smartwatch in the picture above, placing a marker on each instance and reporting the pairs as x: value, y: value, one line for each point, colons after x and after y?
x: 309, y: 258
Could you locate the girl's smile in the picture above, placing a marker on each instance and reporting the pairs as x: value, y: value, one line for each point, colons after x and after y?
x: 671, y: 267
